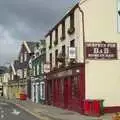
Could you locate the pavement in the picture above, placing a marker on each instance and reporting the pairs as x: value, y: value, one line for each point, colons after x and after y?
x: 10, y: 111
x: 45, y: 112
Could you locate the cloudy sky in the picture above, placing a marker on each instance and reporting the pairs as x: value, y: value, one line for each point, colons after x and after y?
x: 27, y: 20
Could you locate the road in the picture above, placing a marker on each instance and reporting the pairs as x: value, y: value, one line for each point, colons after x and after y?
x: 11, y: 112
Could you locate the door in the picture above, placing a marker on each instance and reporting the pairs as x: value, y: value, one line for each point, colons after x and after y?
x: 34, y: 93
x: 65, y: 93
x: 49, y: 93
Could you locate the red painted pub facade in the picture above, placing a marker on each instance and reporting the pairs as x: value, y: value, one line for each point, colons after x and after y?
x: 65, y: 87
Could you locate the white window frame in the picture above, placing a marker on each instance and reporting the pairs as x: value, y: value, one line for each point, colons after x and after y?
x: 118, y: 16
x: 21, y: 58
x: 25, y: 56
x: 25, y: 73
x: 33, y: 70
x: 19, y: 73
x: 38, y: 69
x: 42, y: 95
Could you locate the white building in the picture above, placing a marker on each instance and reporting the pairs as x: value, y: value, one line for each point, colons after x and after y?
x: 93, y: 28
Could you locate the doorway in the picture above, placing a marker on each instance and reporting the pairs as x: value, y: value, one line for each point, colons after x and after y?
x: 65, y: 93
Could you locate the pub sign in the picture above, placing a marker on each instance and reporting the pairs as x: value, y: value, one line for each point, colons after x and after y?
x: 101, y: 50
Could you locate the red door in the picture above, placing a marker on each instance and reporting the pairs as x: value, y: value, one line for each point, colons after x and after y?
x: 65, y: 93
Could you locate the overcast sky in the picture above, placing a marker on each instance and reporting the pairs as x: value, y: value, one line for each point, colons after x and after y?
x: 27, y: 20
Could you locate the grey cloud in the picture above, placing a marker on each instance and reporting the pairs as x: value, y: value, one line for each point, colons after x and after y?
x: 29, y: 19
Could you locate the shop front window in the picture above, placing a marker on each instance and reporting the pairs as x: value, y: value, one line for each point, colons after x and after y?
x: 75, y: 86
x: 43, y: 91
x: 62, y: 89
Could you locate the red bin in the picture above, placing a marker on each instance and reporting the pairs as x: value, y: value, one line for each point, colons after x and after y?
x: 93, y: 107
x: 23, y: 97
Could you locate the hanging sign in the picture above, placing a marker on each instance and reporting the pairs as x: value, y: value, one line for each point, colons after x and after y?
x: 72, y: 52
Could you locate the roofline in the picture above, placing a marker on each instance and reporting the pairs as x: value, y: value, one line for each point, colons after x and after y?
x: 66, y: 15
x: 27, y: 47
x: 13, y: 68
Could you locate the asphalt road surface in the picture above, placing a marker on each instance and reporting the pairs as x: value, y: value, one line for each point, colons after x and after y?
x: 11, y: 112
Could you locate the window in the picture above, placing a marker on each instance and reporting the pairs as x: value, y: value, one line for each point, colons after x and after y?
x: 25, y: 73
x: 21, y: 58
x: 72, y: 43
x: 75, y: 85
x: 43, y: 90
x: 37, y: 54
x: 56, y: 55
x: 50, y: 60
x: 25, y: 56
x: 72, y: 28
x: 63, y: 53
x: 19, y: 73
x: 118, y: 15
x: 72, y: 20
x: 34, y: 71
x: 50, y: 41
x: 38, y: 68
x: 42, y: 68
x: 63, y: 29
x: 63, y: 50
x: 56, y: 36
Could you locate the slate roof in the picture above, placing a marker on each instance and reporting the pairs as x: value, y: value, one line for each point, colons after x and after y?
x: 31, y: 45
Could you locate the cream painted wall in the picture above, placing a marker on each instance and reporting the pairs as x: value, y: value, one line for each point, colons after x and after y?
x: 77, y: 36
x: 102, y: 77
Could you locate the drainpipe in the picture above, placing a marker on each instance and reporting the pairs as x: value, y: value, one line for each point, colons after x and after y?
x: 84, y: 56
x: 83, y: 28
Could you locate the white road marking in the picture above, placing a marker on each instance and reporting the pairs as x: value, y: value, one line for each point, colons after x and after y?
x: 15, y: 112
x: 2, y: 116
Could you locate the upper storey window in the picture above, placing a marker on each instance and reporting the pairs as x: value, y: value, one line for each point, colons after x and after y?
x: 72, y: 28
x: 56, y: 37
x: 118, y: 9
x: 21, y: 58
x: 63, y: 30
x: 25, y: 56
x: 50, y: 46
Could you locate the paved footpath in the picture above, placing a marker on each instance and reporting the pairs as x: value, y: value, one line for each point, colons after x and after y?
x: 45, y: 112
